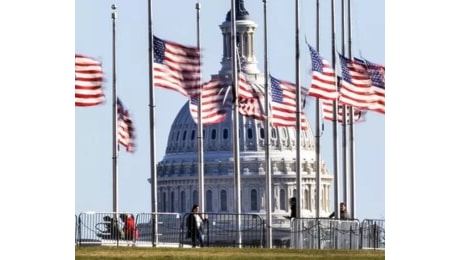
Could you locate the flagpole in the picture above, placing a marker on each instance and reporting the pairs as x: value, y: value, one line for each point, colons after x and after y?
x: 334, y: 119
x: 352, y: 137
x: 298, y: 115
x: 344, y: 120
x: 153, y: 169
x: 268, y: 175
x: 114, y: 118
x: 318, y: 130
x: 236, y: 143
x: 200, y: 122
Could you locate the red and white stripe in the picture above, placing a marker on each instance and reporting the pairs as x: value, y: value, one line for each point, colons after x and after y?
x: 88, y: 81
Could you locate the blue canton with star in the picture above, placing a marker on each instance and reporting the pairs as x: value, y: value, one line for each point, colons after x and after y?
x: 277, y: 91
x: 159, y: 50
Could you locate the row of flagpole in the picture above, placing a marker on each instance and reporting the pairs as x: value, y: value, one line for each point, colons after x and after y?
x: 236, y: 150
x: 348, y: 179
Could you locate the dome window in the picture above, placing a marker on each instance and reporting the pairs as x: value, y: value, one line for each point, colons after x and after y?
x: 223, y: 200
x: 192, y: 136
x: 284, y: 133
x: 209, y: 201
x: 273, y: 133
x: 182, y: 201
x: 172, y: 201
x: 249, y: 133
x: 283, y: 199
x: 254, y: 200
x: 195, y: 197
x: 213, y: 134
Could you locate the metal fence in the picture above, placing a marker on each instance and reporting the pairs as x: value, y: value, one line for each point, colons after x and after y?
x: 372, y: 233
x: 166, y: 231
x: 222, y: 230
x: 102, y: 228
x: 325, y: 233
x: 229, y: 230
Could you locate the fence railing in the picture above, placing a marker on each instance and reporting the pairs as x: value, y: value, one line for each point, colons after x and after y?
x: 159, y: 229
x: 222, y: 230
x: 372, y: 233
x: 312, y: 233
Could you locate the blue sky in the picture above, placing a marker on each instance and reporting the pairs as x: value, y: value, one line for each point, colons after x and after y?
x: 93, y: 125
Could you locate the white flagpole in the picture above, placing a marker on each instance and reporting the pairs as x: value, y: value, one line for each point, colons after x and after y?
x: 352, y: 137
x: 114, y: 118
x: 236, y: 142
x: 153, y: 168
x: 318, y: 130
x: 344, y: 121
x: 200, y: 123
x: 298, y: 115
x: 268, y: 170
x: 335, y: 140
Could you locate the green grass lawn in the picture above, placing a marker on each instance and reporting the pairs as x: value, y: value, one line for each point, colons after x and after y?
x: 136, y: 253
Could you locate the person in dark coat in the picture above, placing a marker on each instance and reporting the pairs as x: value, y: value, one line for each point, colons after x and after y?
x: 343, y: 212
x: 195, y: 222
x: 112, y: 229
x: 293, y: 207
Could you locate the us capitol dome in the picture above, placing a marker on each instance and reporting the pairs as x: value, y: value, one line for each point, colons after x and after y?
x: 177, y: 172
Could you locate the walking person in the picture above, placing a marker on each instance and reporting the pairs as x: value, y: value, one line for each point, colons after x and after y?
x: 195, y: 222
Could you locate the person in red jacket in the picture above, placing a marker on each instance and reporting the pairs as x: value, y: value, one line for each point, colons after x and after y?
x: 130, y: 226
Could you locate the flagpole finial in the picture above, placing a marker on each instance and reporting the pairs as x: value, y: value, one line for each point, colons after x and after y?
x: 114, y: 15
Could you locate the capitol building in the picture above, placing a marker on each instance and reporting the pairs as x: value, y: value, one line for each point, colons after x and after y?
x: 178, y: 174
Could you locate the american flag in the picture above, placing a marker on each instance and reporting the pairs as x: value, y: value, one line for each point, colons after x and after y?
x: 212, y: 103
x: 88, y: 81
x: 327, y: 108
x: 323, y: 83
x: 355, y: 86
x: 125, y: 131
x: 177, y: 67
x: 250, y: 98
x: 377, y: 76
x: 376, y: 72
x: 283, y: 106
